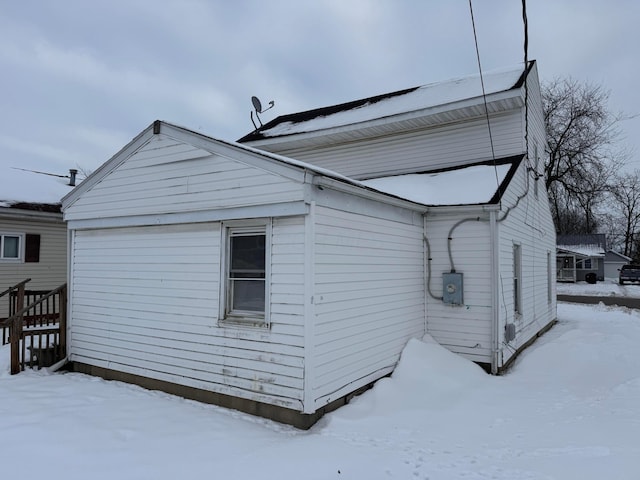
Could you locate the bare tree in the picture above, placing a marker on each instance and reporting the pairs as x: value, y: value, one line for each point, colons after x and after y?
x: 581, y: 133
x: 625, y: 194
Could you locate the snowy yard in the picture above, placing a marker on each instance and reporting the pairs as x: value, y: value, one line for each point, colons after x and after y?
x: 608, y: 288
x: 569, y: 408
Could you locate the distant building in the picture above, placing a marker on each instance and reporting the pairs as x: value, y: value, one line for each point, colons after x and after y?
x: 33, y: 235
x: 579, y: 255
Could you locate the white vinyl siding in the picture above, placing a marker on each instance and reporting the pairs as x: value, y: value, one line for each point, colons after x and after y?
x: 145, y: 301
x: 529, y: 225
x: 464, y: 329
x: 426, y: 149
x: 368, y: 297
x: 167, y: 176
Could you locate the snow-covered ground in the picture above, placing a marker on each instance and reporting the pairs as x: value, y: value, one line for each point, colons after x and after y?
x: 568, y: 409
x: 608, y: 288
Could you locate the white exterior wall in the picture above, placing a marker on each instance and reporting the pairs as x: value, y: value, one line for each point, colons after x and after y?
x: 464, y: 329
x: 426, y: 149
x: 612, y: 269
x: 145, y: 301
x: 50, y: 272
x: 368, y: 298
x: 530, y: 226
x: 145, y: 291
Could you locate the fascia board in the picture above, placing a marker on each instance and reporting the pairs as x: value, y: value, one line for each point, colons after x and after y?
x: 17, y: 214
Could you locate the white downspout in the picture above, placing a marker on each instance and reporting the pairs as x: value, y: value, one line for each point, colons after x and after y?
x: 71, y: 238
x: 425, y: 275
x: 308, y: 397
x: 495, y: 300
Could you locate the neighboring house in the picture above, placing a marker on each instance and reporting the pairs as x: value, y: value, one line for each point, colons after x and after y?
x: 33, y: 235
x: 613, y: 262
x: 579, y: 255
x: 241, y: 277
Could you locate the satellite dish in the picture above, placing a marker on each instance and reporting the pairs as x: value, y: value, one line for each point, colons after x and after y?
x: 257, y: 105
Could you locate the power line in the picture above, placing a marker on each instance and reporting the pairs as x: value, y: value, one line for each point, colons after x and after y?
x: 484, y: 98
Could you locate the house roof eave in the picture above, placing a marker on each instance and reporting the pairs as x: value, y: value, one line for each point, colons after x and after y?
x: 393, y: 124
x: 12, y: 213
x: 568, y: 251
x: 278, y: 133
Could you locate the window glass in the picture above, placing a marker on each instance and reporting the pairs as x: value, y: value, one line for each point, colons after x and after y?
x: 10, y: 246
x: 517, y: 279
x: 246, y: 275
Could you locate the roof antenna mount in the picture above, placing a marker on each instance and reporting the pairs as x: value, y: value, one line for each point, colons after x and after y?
x: 257, y: 105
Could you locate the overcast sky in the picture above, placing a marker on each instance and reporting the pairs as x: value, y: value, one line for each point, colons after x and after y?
x: 79, y: 79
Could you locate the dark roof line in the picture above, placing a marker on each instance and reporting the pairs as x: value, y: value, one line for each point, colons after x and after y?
x: 307, y: 115
x: 299, y: 117
x: 36, y: 207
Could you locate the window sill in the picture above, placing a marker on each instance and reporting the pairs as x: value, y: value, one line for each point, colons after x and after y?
x: 244, y: 322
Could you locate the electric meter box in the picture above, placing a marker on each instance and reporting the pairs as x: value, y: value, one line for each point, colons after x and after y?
x: 452, y: 288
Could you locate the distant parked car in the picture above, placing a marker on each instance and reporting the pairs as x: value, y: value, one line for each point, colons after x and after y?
x: 629, y: 273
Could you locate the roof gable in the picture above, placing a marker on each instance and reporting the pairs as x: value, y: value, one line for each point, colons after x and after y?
x: 169, y: 170
x: 616, y: 257
x: 588, y: 245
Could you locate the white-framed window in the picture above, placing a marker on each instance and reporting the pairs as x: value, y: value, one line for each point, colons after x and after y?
x: 517, y: 279
x: 587, y: 264
x: 549, y: 291
x: 246, y: 268
x: 537, y: 169
x: 11, y: 247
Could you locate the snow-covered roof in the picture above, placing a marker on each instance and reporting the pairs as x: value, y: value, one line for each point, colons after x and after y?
x: 388, y: 105
x: 616, y: 256
x: 468, y: 185
x: 26, y: 187
x: 583, y: 250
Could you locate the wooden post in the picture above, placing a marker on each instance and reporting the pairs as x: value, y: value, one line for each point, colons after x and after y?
x: 16, y: 333
x: 62, y: 325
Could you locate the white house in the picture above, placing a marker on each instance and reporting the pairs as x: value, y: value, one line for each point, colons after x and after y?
x: 276, y: 286
x: 505, y: 246
x: 580, y: 256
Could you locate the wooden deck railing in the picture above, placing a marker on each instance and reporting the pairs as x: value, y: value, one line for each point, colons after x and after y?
x: 38, y: 328
x: 13, y: 294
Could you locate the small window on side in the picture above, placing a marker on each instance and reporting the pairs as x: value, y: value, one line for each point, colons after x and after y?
x: 10, y: 247
x: 245, y: 275
x: 517, y: 279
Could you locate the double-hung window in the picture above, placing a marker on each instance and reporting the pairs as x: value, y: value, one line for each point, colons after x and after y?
x: 587, y: 264
x: 10, y: 247
x: 245, y: 282
x: 517, y: 279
